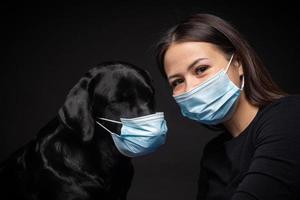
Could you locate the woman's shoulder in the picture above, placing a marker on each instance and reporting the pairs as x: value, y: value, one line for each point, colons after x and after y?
x: 286, y: 105
x: 281, y: 114
x: 279, y: 118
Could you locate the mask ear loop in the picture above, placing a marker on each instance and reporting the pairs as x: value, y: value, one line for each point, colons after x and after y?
x: 243, y: 83
x: 109, y: 120
x: 227, y: 67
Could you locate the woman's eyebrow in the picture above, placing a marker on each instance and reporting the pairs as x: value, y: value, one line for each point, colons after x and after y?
x: 189, y: 66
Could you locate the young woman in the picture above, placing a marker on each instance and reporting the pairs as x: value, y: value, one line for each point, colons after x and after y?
x: 218, y: 80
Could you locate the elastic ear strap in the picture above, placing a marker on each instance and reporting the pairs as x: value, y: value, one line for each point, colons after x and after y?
x: 104, y: 127
x: 109, y: 120
x: 227, y: 67
x: 243, y: 83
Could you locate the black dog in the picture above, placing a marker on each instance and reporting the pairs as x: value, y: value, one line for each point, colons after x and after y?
x: 74, y: 158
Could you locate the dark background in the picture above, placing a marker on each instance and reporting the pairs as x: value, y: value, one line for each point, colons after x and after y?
x: 42, y: 44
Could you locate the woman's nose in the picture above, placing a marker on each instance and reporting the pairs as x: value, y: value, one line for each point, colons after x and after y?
x: 191, y: 83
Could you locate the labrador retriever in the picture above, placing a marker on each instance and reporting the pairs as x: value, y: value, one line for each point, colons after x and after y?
x: 73, y: 158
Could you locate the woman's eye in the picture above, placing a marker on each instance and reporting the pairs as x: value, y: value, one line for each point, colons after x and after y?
x: 200, y: 69
x: 176, y: 82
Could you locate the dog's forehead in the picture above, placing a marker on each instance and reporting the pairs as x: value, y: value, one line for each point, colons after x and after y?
x: 112, y: 79
x: 119, y: 74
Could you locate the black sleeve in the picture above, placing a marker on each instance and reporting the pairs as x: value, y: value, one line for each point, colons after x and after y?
x: 203, y: 176
x: 274, y: 172
x: 202, y: 182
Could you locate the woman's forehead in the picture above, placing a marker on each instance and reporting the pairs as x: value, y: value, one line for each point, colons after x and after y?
x: 181, y: 54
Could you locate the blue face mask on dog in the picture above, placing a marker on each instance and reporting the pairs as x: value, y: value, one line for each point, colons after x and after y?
x: 139, y: 136
x: 213, y: 101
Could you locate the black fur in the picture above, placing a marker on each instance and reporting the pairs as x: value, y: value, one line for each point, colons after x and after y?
x: 74, y: 158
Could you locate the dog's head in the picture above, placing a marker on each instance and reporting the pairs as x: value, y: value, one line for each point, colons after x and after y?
x: 111, y: 90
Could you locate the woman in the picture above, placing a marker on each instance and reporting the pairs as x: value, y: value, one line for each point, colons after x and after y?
x: 218, y: 80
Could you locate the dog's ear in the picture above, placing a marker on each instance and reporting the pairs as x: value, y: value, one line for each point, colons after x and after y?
x: 148, y: 78
x: 76, y: 111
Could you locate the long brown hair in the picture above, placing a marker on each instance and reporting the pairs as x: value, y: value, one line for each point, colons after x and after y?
x: 259, y: 88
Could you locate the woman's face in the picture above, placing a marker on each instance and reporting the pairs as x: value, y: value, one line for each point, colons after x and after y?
x: 189, y: 64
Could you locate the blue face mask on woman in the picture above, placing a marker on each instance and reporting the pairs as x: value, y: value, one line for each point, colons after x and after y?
x: 139, y: 136
x: 213, y: 101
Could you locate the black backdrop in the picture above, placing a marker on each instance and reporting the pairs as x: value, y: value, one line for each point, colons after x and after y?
x: 47, y: 48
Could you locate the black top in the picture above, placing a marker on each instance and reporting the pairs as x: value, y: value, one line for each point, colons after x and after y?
x: 263, y: 162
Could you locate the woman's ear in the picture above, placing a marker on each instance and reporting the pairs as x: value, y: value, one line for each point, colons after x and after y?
x: 241, y: 71
x: 238, y: 63
x: 76, y: 111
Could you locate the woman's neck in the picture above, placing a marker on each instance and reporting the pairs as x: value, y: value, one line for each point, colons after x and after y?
x: 242, y: 117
